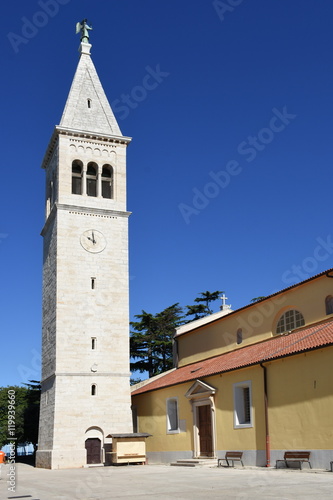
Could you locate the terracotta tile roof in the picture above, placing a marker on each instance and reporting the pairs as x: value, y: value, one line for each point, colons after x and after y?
x: 303, y: 339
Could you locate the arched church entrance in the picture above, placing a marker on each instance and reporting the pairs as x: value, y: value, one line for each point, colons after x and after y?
x: 94, y: 444
x: 94, y: 450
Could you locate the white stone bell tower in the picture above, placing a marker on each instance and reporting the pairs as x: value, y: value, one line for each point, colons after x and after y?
x: 85, y: 344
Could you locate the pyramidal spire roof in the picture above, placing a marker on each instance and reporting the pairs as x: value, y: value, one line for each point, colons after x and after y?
x: 87, y: 108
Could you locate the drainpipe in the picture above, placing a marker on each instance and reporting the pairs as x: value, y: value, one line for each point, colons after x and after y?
x: 268, y: 445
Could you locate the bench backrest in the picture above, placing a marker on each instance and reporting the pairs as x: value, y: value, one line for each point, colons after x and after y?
x: 234, y: 454
x: 297, y: 454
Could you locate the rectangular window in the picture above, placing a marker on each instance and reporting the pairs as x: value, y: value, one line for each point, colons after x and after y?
x: 91, y: 187
x: 106, y: 189
x: 172, y: 416
x: 243, y: 404
x: 76, y: 185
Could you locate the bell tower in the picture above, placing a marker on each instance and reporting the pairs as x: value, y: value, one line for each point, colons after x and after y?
x: 85, y: 331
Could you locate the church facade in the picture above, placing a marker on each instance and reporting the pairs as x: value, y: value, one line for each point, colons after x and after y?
x: 256, y: 380
x: 85, y: 331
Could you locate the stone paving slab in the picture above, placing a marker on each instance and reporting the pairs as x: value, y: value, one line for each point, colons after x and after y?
x: 165, y: 482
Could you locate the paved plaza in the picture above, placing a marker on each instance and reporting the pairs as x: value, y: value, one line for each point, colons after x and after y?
x: 165, y: 482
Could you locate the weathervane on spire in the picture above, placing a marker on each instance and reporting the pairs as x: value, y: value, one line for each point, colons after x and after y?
x: 84, y: 28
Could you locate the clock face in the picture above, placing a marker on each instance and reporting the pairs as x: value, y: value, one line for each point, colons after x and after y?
x: 93, y: 241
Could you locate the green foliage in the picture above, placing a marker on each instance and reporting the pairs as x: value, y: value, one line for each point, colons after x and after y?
x: 151, y: 340
x: 134, y: 381
x: 256, y: 299
x: 203, y: 309
x: 26, y: 413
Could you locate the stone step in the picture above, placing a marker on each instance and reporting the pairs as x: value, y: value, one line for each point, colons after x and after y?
x: 196, y: 462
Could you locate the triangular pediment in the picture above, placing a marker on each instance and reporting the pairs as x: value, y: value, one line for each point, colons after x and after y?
x: 200, y: 389
x: 87, y: 108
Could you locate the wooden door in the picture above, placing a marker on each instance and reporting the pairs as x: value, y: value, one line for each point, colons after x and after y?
x: 93, y: 447
x: 205, y: 431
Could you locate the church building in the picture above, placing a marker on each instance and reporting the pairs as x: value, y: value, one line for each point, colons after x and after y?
x: 257, y: 380
x: 85, y: 331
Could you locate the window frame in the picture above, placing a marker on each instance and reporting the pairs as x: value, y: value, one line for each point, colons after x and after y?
x: 240, y: 411
x: 169, y: 428
x: 92, y: 180
x: 239, y: 336
x: 77, y: 177
x: 329, y: 305
x: 287, y: 325
x: 107, y: 181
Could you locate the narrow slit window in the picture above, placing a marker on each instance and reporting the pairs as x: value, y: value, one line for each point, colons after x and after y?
x: 329, y: 304
x: 93, y: 390
x: 93, y: 283
x: 93, y: 343
x: 89, y: 103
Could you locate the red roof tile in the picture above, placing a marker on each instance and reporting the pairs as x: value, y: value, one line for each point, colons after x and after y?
x: 301, y: 340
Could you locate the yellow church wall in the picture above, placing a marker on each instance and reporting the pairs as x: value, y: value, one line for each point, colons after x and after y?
x: 300, y: 395
x: 152, y: 411
x: 300, y: 409
x: 258, y: 322
x: 231, y: 438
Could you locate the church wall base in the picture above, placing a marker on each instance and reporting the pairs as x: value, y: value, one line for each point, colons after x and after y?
x: 57, y: 459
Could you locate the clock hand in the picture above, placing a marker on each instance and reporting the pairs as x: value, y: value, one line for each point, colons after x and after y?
x: 93, y: 237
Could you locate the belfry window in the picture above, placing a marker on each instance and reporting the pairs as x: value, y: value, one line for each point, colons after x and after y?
x: 92, y: 179
x: 289, y: 321
x: 329, y: 304
x: 107, y: 181
x: 77, y: 177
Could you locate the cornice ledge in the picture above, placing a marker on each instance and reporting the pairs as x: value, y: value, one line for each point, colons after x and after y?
x: 93, y: 135
x: 115, y: 139
x: 93, y: 211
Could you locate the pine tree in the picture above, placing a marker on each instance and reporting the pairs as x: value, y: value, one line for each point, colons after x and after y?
x: 200, y: 310
x: 152, y: 338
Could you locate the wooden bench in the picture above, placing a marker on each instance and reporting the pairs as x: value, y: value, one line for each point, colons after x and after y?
x: 231, y: 456
x: 295, y: 457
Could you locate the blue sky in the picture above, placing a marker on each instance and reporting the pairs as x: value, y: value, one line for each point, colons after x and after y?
x: 230, y: 167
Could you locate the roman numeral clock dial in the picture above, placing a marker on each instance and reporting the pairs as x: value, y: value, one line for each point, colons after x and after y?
x: 93, y: 241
